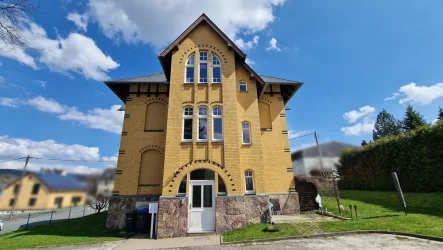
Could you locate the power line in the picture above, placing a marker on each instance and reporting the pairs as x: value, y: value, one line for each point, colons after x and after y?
x: 302, y: 135
x: 13, y: 159
x: 54, y: 159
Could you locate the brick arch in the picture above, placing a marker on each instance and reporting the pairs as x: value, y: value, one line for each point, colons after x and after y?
x: 173, y: 181
x: 152, y: 146
x: 206, y: 47
x: 156, y: 99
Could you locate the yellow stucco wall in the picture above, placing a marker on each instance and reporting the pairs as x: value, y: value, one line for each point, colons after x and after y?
x: 44, y: 198
x: 267, y: 156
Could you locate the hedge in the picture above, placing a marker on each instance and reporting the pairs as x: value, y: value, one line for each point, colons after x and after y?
x: 417, y: 157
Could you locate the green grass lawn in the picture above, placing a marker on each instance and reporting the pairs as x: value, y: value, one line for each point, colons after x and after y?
x: 376, y: 211
x: 91, y: 229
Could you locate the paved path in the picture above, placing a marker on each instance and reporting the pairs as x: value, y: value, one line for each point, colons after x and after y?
x: 19, y: 221
x: 365, y: 242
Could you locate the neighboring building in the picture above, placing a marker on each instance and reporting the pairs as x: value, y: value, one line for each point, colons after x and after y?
x: 206, y: 138
x: 105, y: 182
x: 307, y: 159
x: 43, y: 191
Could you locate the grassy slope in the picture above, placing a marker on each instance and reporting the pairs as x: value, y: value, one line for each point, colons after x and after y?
x: 376, y: 210
x: 382, y: 211
x: 90, y: 229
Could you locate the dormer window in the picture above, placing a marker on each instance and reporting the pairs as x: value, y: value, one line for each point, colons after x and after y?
x: 203, y: 67
x: 216, y: 69
x: 189, y: 77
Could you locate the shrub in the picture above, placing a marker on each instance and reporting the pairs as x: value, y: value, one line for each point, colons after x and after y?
x: 416, y: 156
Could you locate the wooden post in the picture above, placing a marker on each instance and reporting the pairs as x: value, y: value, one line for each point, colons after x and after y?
x: 50, y: 220
x: 69, y: 216
x: 84, y: 208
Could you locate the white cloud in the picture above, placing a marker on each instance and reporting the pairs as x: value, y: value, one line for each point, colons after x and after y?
x: 353, y: 115
x: 10, y: 102
x: 273, y: 45
x: 46, y: 105
x: 75, y: 53
x: 249, y: 62
x: 247, y: 45
x: 109, y: 120
x: 131, y: 20
x: 19, y: 147
x: 105, y: 119
x: 81, y: 21
x: 293, y: 134
x: 394, y: 96
x: 363, y: 127
x: 421, y: 94
x: 42, y: 83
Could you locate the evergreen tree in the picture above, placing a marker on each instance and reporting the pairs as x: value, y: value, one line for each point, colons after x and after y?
x: 364, y: 143
x: 440, y: 115
x: 412, y: 119
x: 386, y: 125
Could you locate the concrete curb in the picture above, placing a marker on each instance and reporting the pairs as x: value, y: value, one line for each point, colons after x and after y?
x: 325, y: 235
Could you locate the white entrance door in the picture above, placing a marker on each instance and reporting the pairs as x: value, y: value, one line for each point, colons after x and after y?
x: 201, y: 206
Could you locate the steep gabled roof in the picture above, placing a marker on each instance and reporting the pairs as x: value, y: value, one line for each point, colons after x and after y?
x: 158, y: 78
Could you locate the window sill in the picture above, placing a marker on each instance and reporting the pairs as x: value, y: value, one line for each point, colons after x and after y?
x: 202, y: 141
x: 250, y: 193
x: 265, y: 129
x: 243, y: 91
x: 187, y: 141
x: 203, y: 83
x: 246, y: 144
x: 216, y: 83
x: 217, y: 141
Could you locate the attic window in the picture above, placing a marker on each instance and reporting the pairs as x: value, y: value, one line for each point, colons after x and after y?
x: 189, y: 78
x: 216, y: 69
x: 203, y: 67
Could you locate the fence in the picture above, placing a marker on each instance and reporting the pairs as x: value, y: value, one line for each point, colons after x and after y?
x: 28, y: 220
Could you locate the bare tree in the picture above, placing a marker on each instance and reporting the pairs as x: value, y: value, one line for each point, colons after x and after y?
x: 101, y: 203
x: 12, y: 14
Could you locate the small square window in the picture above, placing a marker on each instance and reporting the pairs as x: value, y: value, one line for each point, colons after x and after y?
x: 243, y: 87
x: 32, y: 202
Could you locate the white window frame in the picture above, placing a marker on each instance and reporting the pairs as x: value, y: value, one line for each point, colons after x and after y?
x: 243, y: 131
x: 242, y: 83
x: 216, y: 66
x: 204, y: 116
x: 217, y: 116
x: 189, y: 66
x: 253, y: 183
x: 199, y: 66
x: 186, y: 115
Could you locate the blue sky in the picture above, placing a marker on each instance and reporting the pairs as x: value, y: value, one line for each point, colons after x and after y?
x: 351, y: 55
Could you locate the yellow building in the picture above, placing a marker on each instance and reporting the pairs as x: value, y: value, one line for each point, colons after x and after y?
x: 206, y: 138
x: 43, y: 191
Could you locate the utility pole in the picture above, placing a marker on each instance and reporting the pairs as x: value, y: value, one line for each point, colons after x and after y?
x: 319, y: 151
x: 19, y: 186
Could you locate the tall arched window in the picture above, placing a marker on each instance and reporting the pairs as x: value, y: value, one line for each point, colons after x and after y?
x: 217, y: 124
x: 216, y: 69
x: 203, y: 67
x: 188, y: 118
x: 155, y: 116
x: 151, y: 168
x: 202, y: 124
x: 246, y: 133
x: 189, y: 74
x: 243, y: 87
x: 249, y: 182
x: 265, y: 115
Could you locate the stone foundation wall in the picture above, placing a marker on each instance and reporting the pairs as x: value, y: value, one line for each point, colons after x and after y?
x: 239, y: 211
x: 119, y: 206
x: 172, y: 217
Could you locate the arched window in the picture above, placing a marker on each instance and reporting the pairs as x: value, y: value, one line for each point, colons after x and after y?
x: 217, y: 124
x: 221, y: 187
x: 202, y: 124
x: 151, y: 168
x: 189, y: 74
x: 246, y: 133
x: 243, y: 86
x: 249, y: 182
x: 188, y: 118
x: 203, y: 67
x: 216, y: 69
x: 155, y: 116
x: 182, y: 187
x: 265, y: 115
